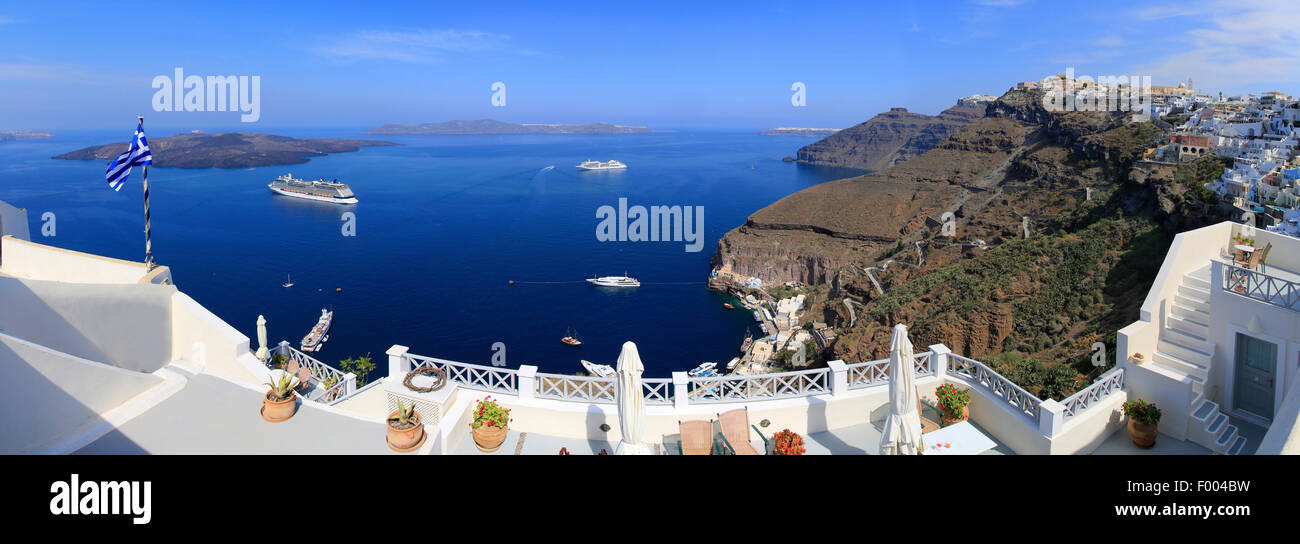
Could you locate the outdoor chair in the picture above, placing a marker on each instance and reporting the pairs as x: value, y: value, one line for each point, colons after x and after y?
x: 927, y: 424
x: 1252, y: 261
x: 735, y: 433
x: 303, y: 373
x: 696, y: 437
x: 1263, y: 257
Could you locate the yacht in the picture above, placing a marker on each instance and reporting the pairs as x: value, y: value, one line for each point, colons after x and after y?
x: 734, y: 361
x: 571, y: 338
x: 597, y: 165
x: 703, y: 369
x: 288, y: 281
x: 321, y: 190
x: 615, y: 281
x: 317, y: 337
x: 603, y: 371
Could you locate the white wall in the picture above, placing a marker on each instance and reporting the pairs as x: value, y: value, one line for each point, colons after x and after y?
x: 36, y: 261
x: 13, y: 221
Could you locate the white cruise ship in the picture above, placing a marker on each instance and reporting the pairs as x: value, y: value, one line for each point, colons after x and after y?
x: 614, y: 281
x: 324, y: 191
x: 597, y: 165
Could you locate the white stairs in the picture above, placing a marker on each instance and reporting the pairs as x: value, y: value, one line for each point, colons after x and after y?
x: 1184, y: 350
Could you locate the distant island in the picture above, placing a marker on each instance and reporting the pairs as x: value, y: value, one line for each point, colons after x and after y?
x: 796, y: 131
x: 228, y: 150
x: 24, y: 135
x: 489, y: 126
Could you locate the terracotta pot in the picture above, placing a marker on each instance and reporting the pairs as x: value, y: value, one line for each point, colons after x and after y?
x: 488, y: 439
x: 949, y: 417
x: 404, y: 440
x: 1143, y: 434
x: 277, y: 411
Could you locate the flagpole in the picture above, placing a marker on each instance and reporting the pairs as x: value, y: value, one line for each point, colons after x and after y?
x: 148, y: 245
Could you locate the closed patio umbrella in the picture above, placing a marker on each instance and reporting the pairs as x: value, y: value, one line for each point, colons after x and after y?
x: 262, y: 353
x: 631, y: 403
x: 902, y: 432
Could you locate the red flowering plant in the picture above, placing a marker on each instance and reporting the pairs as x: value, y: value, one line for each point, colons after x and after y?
x: 788, y: 442
x: 1142, y: 411
x: 951, y: 399
x: 490, y: 413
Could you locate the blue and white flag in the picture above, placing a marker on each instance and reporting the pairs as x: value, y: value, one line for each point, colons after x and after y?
x: 136, y: 155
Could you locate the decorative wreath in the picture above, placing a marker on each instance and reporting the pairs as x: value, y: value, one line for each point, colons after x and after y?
x: 440, y: 379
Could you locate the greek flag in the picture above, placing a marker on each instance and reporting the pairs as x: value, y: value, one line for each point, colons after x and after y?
x: 137, y: 155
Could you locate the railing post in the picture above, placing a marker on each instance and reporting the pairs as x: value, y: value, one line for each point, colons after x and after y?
x: 839, y: 377
x: 350, y: 384
x: 1216, y: 278
x: 527, y: 383
x: 939, y: 361
x: 1051, y: 417
x: 681, y: 393
x: 398, y: 364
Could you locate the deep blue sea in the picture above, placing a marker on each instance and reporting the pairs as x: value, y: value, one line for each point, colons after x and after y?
x: 443, y: 223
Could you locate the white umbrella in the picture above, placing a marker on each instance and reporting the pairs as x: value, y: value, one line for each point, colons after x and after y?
x: 262, y: 353
x: 631, y: 403
x: 902, y: 432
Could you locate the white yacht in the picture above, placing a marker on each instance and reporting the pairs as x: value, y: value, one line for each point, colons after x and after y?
x: 615, y: 281
x: 603, y: 371
x: 597, y: 165
x: 703, y: 369
x: 324, y: 191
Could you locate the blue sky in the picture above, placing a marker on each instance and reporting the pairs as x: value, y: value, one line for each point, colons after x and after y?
x: 662, y: 64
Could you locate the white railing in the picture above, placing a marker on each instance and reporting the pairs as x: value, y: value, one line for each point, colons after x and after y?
x: 477, y: 377
x: 801, y: 383
x: 658, y: 391
x: 994, y: 383
x: 576, y: 388
x: 321, y: 375
x: 873, y: 373
x: 1109, y: 383
x: 1261, y: 287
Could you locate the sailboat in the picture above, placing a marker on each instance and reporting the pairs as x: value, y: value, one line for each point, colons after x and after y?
x: 571, y: 338
x: 288, y: 282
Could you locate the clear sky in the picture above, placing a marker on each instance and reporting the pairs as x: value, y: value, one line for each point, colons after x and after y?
x: 662, y: 64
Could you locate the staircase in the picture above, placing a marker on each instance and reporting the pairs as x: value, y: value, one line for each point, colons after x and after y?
x: 1184, y: 350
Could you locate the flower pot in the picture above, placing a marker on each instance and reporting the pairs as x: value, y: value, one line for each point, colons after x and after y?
x: 488, y: 439
x: 1143, y: 434
x: 276, y: 411
x: 950, y: 417
x: 1138, y: 358
x: 405, y: 440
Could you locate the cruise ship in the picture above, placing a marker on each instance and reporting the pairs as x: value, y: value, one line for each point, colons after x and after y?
x: 597, y: 165
x: 615, y: 281
x: 314, y: 339
x: 324, y: 191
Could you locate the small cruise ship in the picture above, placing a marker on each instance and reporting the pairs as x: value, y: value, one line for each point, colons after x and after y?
x: 324, y: 191
x: 703, y: 369
x: 597, y: 165
x: 602, y: 371
x: 318, y: 335
x: 615, y: 281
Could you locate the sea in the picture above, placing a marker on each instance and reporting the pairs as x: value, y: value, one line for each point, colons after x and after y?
x: 443, y: 225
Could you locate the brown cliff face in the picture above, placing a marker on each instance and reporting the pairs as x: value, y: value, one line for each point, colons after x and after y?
x: 888, y: 138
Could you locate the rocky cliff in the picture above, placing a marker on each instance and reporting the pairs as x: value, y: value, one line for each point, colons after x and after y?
x: 888, y: 138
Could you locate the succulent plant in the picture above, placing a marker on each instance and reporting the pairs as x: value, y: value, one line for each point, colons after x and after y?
x: 282, y: 389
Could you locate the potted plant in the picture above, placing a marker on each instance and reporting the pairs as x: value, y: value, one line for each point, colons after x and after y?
x: 405, y: 432
x: 491, y: 422
x: 1143, y: 422
x: 787, y: 442
x: 1138, y: 358
x: 280, y: 403
x: 954, y: 402
x: 278, y: 361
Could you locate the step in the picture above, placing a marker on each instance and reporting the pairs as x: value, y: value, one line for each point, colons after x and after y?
x: 1178, y: 372
x: 1200, y: 306
x: 1185, y: 351
x: 1181, y: 365
x: 1226, y: 437
x: 1194, y: 292
x: 1186, y: 325
x: 1187, y: 338
x: 1236, y: 447
x: 1217, y: 425
x: 1202, y: 283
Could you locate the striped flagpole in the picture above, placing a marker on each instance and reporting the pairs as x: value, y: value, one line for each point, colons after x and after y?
x: 148, y: 244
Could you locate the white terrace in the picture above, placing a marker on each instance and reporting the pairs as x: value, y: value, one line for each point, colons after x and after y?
x: 104, y: 356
